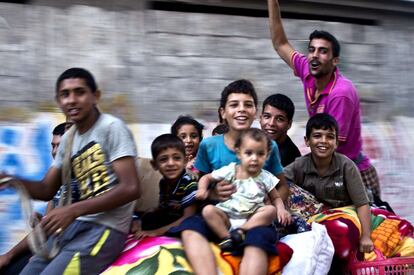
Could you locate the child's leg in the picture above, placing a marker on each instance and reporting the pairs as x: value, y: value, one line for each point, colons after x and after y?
x: 199, y: 253
x: 263, y: 216
x: 217, y: 220
x: 195, y: 234
x: 254, y: 261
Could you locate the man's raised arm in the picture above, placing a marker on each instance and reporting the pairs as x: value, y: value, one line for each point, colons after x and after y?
x: 279, y: 39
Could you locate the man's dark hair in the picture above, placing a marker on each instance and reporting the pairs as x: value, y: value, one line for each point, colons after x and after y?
x: 187, y: 120
x: 164, y: 142
x: 61, y: 129
x: 257, y: 135
x: 77, y: 73
x: 322, y: 121
x: 241, y: 86
x: 336, y: 48
x: 282, y: 103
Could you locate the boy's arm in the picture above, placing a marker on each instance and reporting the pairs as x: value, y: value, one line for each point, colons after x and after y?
x: 125, y: 191
x: 188, y: 211
x: 283, y: 216
x: 203, y: 183
x: 282, y: 187
x: 364, y: 214
x: 19, y: 248
x: 279, y: 39
x: 39, y: 190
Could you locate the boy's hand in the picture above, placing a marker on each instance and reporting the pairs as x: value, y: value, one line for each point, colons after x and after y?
x: 201, y: 194
x: 224, y: 190
x: 365, y: 244
x: 58, y: 219
x: 142, y: 234
x: 135, y: 227
x: 284, y: 217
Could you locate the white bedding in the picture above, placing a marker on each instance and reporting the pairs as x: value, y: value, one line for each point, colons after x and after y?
x: 312, y: 252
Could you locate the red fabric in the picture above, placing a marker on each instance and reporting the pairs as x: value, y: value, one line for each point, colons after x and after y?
x: 285, y: 253
x: 338, y: 232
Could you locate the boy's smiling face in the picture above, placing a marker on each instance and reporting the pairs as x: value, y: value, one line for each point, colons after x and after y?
x: 322, y: 143
x: 171, y: 163
x: 239, y: 111
x: 76, y: 99
x: 275, y: 123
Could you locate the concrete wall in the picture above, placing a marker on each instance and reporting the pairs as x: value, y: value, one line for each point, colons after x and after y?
x: 159, y: 64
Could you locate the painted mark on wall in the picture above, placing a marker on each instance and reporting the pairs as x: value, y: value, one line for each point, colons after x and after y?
x: 24, y: 152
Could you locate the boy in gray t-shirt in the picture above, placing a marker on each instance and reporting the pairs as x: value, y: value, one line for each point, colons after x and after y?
x: 91, y: 231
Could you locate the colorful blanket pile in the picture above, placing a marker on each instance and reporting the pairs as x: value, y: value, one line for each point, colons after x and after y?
x: 165, y: 255
x: 391, y: 234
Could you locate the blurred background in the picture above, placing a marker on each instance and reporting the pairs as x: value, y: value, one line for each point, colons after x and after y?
x: 156, y: 60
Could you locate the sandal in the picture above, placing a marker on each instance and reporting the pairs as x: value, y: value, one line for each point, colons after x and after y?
x: 226, y: 245
x: 237, y: 236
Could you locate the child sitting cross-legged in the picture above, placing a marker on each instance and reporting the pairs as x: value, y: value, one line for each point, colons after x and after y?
x: 246, y: 207
x: 177, y: 188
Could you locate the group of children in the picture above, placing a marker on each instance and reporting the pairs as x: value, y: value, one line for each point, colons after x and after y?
x: 243, y: 165
x: 246, y: 163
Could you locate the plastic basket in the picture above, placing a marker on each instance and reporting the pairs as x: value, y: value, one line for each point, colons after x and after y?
x: 381, y: 266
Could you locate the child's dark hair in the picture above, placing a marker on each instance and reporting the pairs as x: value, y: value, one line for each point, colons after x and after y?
x: 185, y: 120
x: 164, y: 142
x: 77, y: 73
x: 322, y: 121
x: 241, y: 86
x: 60, y: 129
x: 336, y: 48
x: 255, y: 134
x: 282, y: 103
x: 220, y: 129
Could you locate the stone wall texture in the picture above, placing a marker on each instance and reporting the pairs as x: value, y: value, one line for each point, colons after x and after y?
x: 153, y: 65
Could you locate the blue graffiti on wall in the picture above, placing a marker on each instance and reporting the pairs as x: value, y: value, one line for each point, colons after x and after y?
x: 25, y: 153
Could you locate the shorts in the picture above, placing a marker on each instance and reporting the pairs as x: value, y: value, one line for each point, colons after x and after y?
x: 156, y: 219
x: 86, y: 248
x: 264, y: 237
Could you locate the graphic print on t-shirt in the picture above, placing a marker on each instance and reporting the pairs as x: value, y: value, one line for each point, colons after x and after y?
x: 90, y: 171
